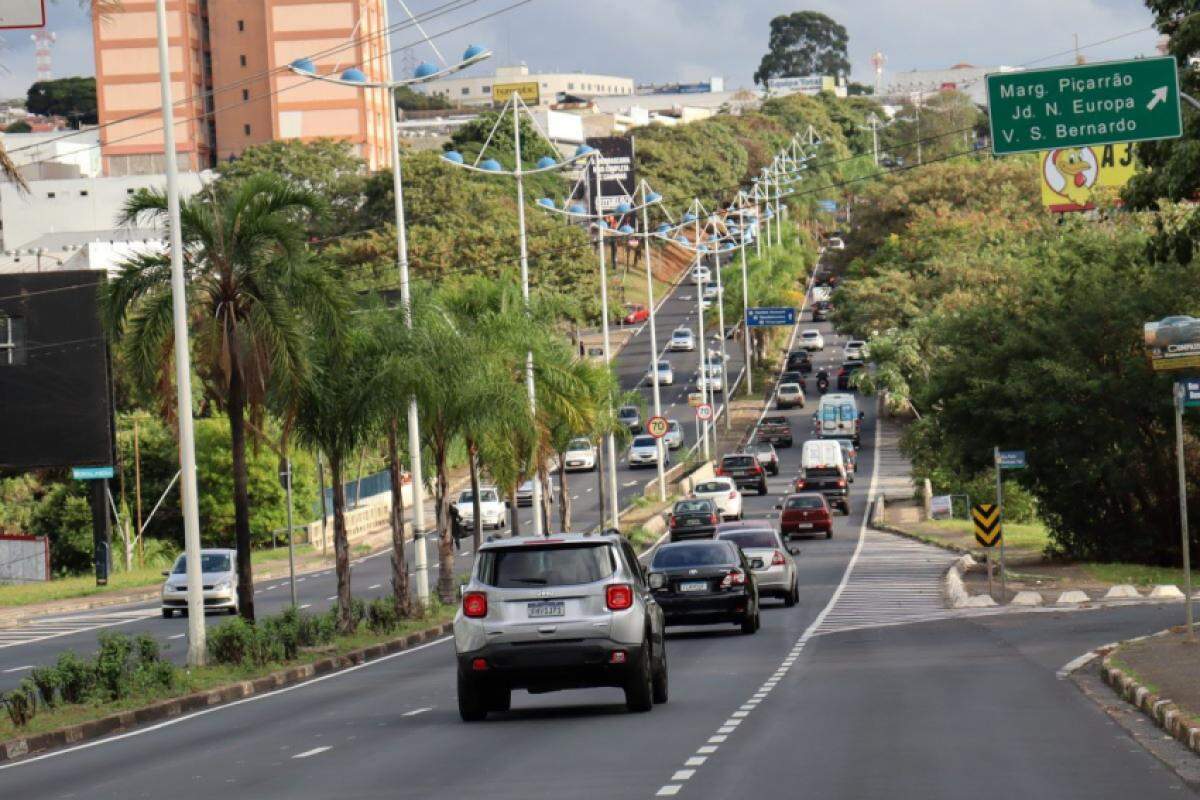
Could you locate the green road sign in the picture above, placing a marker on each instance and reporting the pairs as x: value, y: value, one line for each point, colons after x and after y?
x: 1115, y: 101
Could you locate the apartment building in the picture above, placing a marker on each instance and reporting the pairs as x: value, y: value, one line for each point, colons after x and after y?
x: 230, y: 81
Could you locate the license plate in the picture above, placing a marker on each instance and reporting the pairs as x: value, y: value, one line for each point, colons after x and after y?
x: 804, y: 525
x: 691, y: 522
x: 756, y: 563
x: 693, y: 586
x: 549, y: 608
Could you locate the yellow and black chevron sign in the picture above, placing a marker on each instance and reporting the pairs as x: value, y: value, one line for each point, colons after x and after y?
x: 987, y: 523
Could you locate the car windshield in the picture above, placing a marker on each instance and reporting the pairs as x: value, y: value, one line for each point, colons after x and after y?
x: 775, y: 420
x: 805, y: 502
x: 558, y: 565
x: 675, y: 427
x: 664, y: 366
x: 682, y: 334
x: 700, y: 554
x: 737, y: 461
x: 694, y: 507
x: 209, y: 562
x: 579, y: 444
x: 485, y: 496
x: 789, y: 388
x: 627, y: 412
x: 643, y: 441
x: 749, y: 539
x: 712, y: 487
x: 810, y: 334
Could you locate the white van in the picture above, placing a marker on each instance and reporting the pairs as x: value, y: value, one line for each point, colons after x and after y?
x: 819, y: 453
x: 838, y: 417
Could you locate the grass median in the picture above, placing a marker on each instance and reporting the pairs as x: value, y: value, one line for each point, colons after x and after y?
x: 129, y: 673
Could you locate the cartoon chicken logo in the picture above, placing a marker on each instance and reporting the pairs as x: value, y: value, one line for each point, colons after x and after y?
x: 1071, y: 173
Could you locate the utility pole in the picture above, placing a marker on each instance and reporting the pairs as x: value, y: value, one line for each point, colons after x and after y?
x: 196, y: 647
x: 1000, y: 511
x: 137, y: 490
x: 1179, y: 395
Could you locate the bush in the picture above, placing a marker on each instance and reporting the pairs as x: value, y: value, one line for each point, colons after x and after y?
x: 381, y: 616
x: 75, y: 677
x: 113, y: 669
x: 21, y: 703
x: 232, y: 642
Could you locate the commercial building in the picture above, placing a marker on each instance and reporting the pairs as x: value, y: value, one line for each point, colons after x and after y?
x: 230, y: 81
x: 536, y: 89
x: 42, y: 156
x: 965, y: 78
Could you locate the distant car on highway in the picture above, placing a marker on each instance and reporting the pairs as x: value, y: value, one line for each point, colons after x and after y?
x: 682, y: 339
x: 834, y: 243
x: 218, y: 576
x: 812, y: 340
x: 666, y: 375
x: 789, y: 395
x: 855, y: 350
x: 566, y: 612
x: 580, y: 455
x: 643, y: 452
x: 631, y: 418
x: 772, y: 561
x: 799, y: 361
x: 724, y: 494
x: 492, y: 509
x: 846, y: 372
x: 694, y: 518
x: 674, y: 437
x: 701, y: 274
x: 712, y: 383
x: 805, y: 513
x: 766, y: 455
x: 776, y: 430
x: 745, y: 471
x: 705, y: 583
x: 635, y: 313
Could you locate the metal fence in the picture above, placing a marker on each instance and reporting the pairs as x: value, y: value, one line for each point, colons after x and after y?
x: 24, y: 559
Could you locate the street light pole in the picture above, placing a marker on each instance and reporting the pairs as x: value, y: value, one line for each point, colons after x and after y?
x: 662, y: 480
x: 196, y: 647
x: 746, y: 307
x: 721, y: 334
x: 1179, y: 394
x: 610, y: 440
x: 706, y: 389
x: 538, y: 529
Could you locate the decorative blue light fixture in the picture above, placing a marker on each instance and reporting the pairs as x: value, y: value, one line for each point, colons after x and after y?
x: 625, y: 229
x: 653, y: 197
x: 304, y: 65
x: 546, y: 202
x: 425, y: 69
x: 601, y: 224
x: 682, y: 240
x: 491, y: 165
x: 354, y: 75
x: 624, y: 208
x: 546, y: 162
x: 473, y: 52
x: 583, y: 150
x: 664, y: 228
x: 689, y: 217
x: 577, y: 208
x: 453, y: 156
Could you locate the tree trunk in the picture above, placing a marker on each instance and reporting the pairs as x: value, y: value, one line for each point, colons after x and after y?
x: 473, y: 461
x: 400, y: 592
x: 341, y: 546
x: 547, y: 510
x: 445, y: 540
x: 241, y: 494
x: 515, y: 516
x: 564, y: 498
x: 600, y: 483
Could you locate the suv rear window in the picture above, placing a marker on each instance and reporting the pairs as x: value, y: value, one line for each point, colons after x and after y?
x: 700, y: 554
x: 708, y: 487
x: 745, y: 539
x: 643, y: 441
x: 738, y: 461
x: 805, y: 502
x: 704, y: 506
x: 559, y: 565
x: 775, y: 421
x: 822, y: 472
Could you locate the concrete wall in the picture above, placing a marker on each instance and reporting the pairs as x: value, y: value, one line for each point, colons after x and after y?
x: 24, y: 559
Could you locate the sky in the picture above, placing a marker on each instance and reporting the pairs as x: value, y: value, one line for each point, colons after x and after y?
x: 686, y: 40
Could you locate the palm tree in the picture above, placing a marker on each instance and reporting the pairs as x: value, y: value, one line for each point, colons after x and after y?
x: 579, y: 417
x: 252, y: 292
x: 336, y: 412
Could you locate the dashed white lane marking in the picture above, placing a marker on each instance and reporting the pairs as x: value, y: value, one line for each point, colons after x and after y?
x: 416, y: 711
x: 334, y: 596
x: 305, y: 605
x: 789, y: 660
x: 177, y: 636
x: 374, y: 586
x: 313, y: 752
x: 52, y: 627
x: 16, y: 669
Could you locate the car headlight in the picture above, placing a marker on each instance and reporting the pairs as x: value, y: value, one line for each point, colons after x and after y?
x: 223, y: 586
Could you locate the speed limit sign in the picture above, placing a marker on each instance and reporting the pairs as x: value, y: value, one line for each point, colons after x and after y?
x: 657, y: 427
x: 704, y: 412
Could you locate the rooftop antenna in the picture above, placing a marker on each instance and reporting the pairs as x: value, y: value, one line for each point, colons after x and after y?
x: 43, y: 41
x: 877, y: 61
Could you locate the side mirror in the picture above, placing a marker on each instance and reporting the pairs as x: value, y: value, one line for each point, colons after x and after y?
x: 166, y: 573
x: 508, y: 503
x: 794, y: 550
x: 779, y: 507
x: 862, y: 414
x: 657, y: 580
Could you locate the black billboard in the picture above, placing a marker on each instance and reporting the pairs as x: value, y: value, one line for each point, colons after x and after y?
x: 55, y: 376
x: 615, y: 172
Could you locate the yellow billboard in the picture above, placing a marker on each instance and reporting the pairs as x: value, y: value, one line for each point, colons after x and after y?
x: 1071, y: 174
x: 526, y: 90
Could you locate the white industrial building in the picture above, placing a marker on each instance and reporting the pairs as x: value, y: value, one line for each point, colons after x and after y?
x: 54, y: 154
x: 479, y: 91
x: 965, y: 78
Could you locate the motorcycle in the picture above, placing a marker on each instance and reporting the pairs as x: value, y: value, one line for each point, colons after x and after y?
x: 822, y: 382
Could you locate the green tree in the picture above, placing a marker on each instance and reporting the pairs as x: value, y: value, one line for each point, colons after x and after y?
x: 20, y: 126
x: 72, y: 98
x: 410, y: 100
x: 804, y: 43
x: 943, y: 125
x: 251, y: 292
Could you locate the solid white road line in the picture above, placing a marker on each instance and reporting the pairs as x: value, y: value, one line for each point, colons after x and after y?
x: 313, y: 752
x: 305, y: 605
x: 17, y: 669
x: 177, y: 636
x: 374, y: 586
x: 416, y: 711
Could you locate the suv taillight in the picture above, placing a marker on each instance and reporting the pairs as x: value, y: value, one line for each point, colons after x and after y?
x: 841, y: 482
x: 719, y: 471
x: 618, y: 596
x: 799, y: 484
x: 734, y: 578
x: 475, y: 605
x: 777, y: 559
x: 671, y: 524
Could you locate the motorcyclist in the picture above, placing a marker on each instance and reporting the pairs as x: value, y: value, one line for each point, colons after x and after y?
x: 822, y: 381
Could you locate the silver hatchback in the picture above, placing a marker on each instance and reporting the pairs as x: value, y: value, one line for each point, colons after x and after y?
x: 564, y: 612
x: 772, y: 561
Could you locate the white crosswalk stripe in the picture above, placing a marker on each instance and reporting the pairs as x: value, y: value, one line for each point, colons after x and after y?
x: 895, y: 581
x: 50, y: 628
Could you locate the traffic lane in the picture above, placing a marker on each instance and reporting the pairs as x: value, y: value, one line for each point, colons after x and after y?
x: 932, y: 710
x: 392, y: 727
x: 316, y: 592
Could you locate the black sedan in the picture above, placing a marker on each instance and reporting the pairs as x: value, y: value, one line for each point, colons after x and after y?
x: 705, y: 583
x: 799, y: 361
x: 692, y: 519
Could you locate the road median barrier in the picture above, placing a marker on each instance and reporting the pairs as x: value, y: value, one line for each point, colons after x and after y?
x: 1179, y: 722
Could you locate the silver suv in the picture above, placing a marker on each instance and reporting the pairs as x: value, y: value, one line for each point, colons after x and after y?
x: 567, y: 612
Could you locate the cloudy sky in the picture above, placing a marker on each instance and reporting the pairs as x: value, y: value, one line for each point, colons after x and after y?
x: 669, y: 40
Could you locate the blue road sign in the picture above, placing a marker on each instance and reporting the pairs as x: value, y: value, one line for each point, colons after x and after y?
x: 827, y: 205
x: 91, y: 473
x: 1011, y: 459
x: 770, y: 316
x: 1191, y: 392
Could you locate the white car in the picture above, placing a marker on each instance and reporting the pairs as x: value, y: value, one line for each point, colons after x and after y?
x: 820, y: 293
x: 682, y: 339
x: 492, y: 511
x: 711, y: 293
x: 789, y: 395
x: 710, y: 384
x: 834, y: 243
x: 855, y: 350
x: 218, y: 574
x: 812, y: 340
x: 666, y: 376
x: 643, y: 452
x: 724, y: 494
x: 701, y: 274
x: 674, y: 437
x: 580, y: 455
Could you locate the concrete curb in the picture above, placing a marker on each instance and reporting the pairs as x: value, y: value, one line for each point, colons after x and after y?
x: 14, y: 749
x: 882, y: 526
x: 1164, y: 712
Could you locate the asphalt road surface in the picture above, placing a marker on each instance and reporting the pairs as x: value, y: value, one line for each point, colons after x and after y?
x: 868, y: 688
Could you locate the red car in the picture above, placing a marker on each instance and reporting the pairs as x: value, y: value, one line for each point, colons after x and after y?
x: 635, y: 313
x: 805, y: 513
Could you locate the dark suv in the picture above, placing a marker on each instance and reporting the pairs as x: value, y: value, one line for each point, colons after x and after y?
x: 565, y: 612
x: 745, y: 471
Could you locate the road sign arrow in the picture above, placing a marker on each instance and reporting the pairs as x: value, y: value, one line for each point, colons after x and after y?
x: 1159, y: 96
